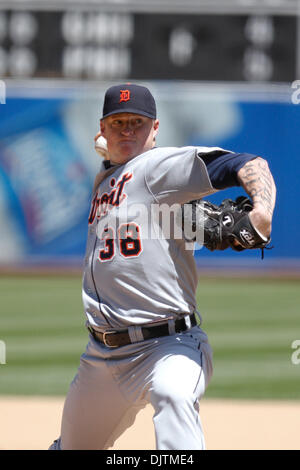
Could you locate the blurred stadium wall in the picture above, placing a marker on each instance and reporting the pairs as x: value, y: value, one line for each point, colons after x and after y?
x: 223, y: 74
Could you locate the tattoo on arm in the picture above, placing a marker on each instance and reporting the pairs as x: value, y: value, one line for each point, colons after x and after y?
x: 257, y: 180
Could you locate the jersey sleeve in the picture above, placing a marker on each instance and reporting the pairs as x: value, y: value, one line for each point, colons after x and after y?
x: 223, y: 166
x: 177, y: 175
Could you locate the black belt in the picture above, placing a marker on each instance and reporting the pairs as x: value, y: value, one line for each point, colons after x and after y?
x: 116, y: 338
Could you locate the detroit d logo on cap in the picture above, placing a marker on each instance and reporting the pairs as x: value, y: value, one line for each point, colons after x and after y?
x: 124, y: 95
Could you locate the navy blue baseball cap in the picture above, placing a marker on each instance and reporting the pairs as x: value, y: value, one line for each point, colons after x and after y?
x: 129, y: 98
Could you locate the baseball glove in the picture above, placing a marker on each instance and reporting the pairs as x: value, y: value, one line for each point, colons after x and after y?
x: 220, y: 227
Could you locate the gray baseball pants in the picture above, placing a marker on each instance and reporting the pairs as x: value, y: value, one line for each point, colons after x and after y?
x: 113, y: 384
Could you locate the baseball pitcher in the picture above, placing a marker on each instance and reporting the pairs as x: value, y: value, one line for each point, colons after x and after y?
x: 146, y: 344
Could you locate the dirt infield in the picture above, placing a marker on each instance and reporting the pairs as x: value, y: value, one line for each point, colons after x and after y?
x: 33, y: 422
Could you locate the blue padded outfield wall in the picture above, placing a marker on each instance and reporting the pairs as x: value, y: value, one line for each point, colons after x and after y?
x: 47, y: 160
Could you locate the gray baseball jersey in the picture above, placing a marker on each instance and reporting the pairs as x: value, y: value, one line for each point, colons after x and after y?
x: 137, y: 271
x: 127, y: 237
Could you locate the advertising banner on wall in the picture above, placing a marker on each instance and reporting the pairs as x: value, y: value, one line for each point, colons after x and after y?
x: 48, y: 162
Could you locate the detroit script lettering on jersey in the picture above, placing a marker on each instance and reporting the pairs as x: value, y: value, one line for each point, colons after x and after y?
x: 101, y: 205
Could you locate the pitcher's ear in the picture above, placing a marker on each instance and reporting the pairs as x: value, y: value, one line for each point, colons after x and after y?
x: 156, y: 126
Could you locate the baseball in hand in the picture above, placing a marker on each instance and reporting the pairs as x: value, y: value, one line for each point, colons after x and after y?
x: 101, y: 147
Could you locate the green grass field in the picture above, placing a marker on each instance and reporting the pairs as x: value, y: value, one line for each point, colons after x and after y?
x: 251, y: 325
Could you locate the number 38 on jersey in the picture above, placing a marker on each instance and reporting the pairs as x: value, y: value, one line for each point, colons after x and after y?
x: 127, y: 241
